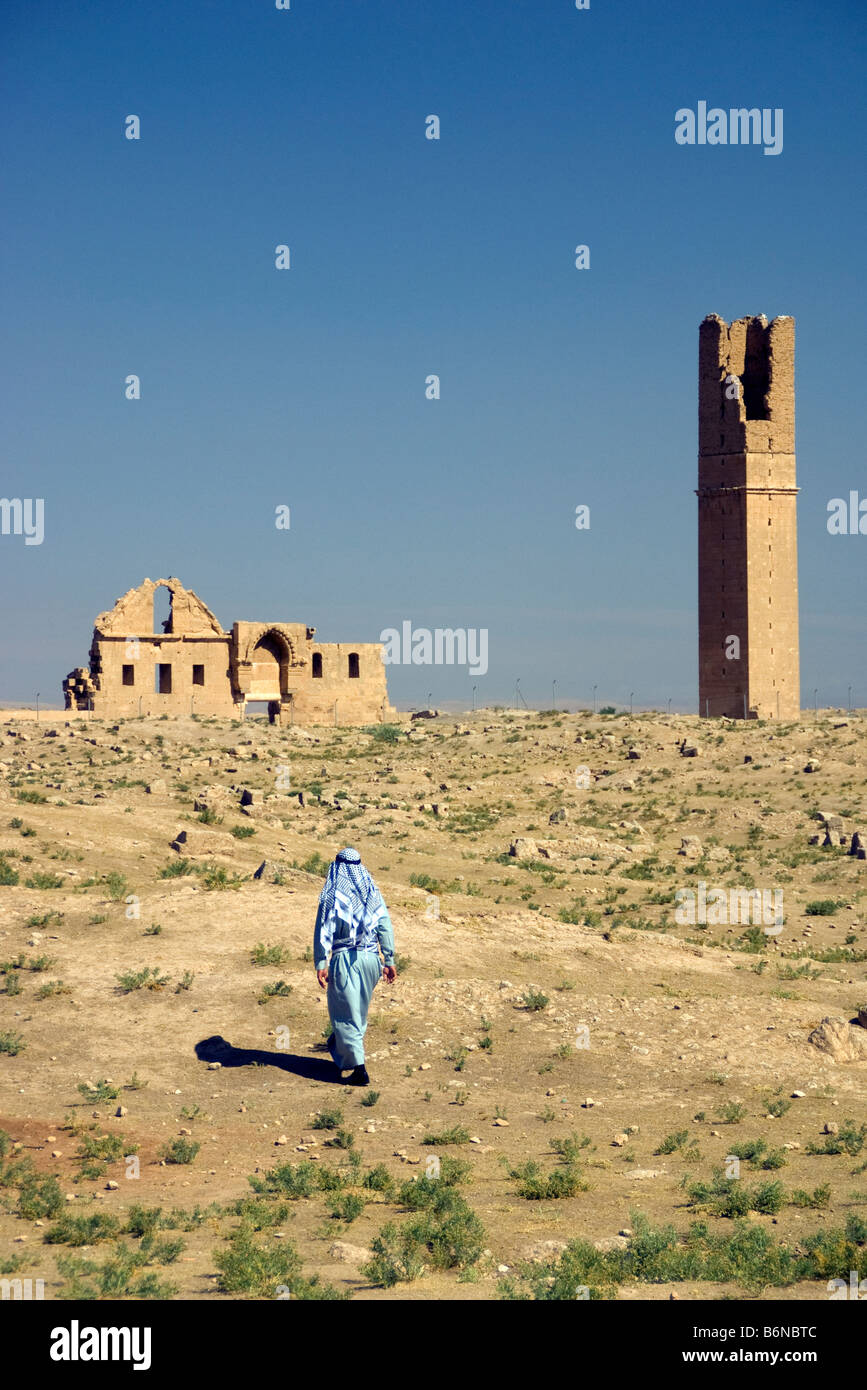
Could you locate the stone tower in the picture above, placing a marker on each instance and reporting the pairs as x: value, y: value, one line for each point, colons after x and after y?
x: 747, y: 530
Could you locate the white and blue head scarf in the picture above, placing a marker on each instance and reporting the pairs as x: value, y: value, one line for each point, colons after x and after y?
x: 350, y: 899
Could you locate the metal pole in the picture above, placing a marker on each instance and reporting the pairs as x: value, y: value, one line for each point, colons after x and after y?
x: 553, y: 695
x: 669, y: 705
x: 595, y: 688
x: 474, y: 699
x: 631, y: 693
x: 816, y: 701
x: 745, y: 704
x: 707, y: 709
x: 37, y: 707
x: 849, y: 700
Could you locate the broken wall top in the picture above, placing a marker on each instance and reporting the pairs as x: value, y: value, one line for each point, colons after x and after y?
x: 760, y: 415
x: 133, y: 614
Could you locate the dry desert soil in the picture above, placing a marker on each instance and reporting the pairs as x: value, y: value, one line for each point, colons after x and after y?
x: 589, y: 1068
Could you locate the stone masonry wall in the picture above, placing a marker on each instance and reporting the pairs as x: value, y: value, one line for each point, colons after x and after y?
x: 748, y: 581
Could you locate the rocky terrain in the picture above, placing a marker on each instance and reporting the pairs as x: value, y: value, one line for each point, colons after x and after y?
x: 621, y: 1058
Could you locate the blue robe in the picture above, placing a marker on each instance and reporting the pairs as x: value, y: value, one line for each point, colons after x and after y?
x: 353, y: 974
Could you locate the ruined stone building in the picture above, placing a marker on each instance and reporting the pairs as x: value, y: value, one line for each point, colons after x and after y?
x: 191, y: 666
x: 747, y: 529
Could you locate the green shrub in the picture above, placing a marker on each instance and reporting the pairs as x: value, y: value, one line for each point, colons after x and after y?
x: 328, y: 1119
x: 180, y: 1150
x: 849, y: 1140
x: 98, y: 1091
x: 383, y: 733
x: 178, y: 868
x: 40, y: 1197
x: 456, y: 1135
x: 535, y: 1186
x: 824, y: 907
x: 269, y: 955
x: 148, y: 978
x: 293, y: 1180
x: 83, y: 1230
x: 245, y: 1267
x: 44, y: 881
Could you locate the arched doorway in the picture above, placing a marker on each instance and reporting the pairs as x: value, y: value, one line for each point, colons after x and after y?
x: 269, y: 668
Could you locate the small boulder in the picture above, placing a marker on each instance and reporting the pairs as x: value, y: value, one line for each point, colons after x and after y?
x: 543, y: 1251
x: 348, y: 1254
x: 840, y: 1040
x: 522, y: 848
x: 608, y: 1244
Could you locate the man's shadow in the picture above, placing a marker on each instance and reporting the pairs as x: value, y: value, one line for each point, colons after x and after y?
x: 217, y: 1049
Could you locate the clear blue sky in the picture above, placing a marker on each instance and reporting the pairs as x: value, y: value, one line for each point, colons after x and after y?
x: 409, y: 257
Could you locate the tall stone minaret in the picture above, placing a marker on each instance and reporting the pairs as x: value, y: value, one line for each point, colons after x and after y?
x: 748, y: 663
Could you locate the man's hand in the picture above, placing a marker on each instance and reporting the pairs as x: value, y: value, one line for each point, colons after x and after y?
x: 390, y: 973
x: 322, y: 977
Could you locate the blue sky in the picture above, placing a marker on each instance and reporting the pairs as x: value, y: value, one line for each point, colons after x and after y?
x: 306, y: 387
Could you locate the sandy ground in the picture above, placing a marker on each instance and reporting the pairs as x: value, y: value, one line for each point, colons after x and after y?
x: 650, y: 1027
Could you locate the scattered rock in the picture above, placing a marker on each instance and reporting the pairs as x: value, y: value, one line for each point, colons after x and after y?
x: 543, y: 1251
x: 840, y: 1040
x: 524, y: 849
x: 607, y: 1244
x: 348, y: 1254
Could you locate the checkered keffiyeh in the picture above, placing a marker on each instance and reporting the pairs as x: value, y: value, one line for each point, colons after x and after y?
x: 350, y: 903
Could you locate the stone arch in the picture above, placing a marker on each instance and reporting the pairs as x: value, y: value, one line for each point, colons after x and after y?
x: 270, y: 658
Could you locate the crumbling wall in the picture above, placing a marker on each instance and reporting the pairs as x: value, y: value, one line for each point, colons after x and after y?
x: 193, y: 666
